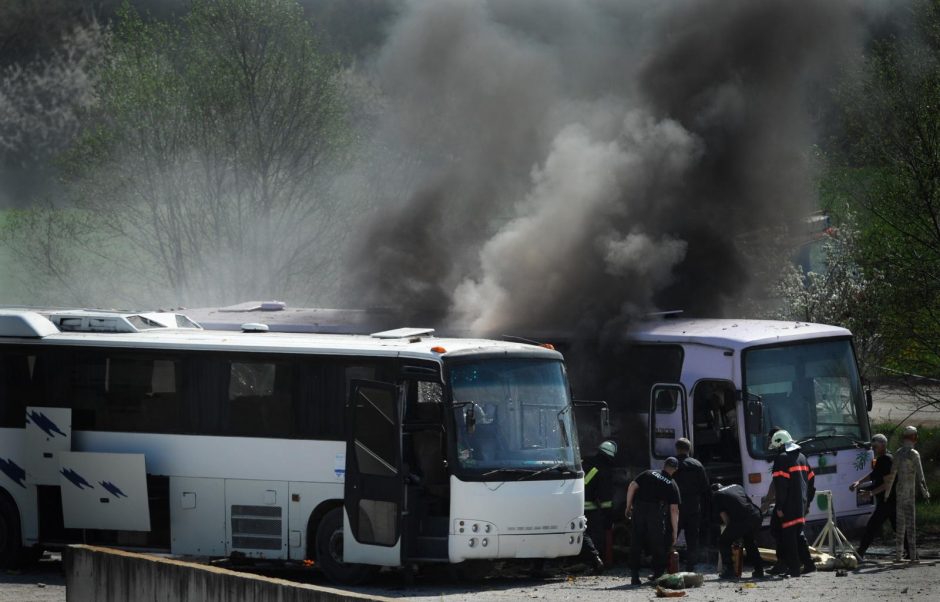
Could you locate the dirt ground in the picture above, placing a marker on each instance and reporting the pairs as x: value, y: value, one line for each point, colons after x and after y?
x: 877, y: 579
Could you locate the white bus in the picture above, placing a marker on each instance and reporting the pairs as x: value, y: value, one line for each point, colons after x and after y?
x: 721, y: 383
x: 143, y: 430
x: 724, y: 384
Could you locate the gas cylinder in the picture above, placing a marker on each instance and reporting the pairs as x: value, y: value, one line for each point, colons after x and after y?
x: 737, y: 559
x: 672, y: 563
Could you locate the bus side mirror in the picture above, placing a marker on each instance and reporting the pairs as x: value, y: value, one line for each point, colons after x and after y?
x: 605, y: 422
x: 754, y: 415
x: 869, y: 403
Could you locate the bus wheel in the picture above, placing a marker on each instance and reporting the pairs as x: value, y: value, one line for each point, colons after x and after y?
x: 11, y: 548
x: 330, y: 552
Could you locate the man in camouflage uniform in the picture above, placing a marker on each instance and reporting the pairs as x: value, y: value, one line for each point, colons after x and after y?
x: 907, y: 474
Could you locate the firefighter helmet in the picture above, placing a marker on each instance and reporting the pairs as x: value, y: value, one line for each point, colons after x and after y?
x: 608, y: 447
x: 780, y: 439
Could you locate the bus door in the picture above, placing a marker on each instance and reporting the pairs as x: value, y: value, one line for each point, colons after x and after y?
x: 668, y: 421
x: 374, y: 488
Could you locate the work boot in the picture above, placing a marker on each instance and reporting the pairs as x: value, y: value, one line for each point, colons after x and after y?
x: 635, y: 580
x: 757, y: 574
x: 808, y: 568
x: 597, y: 565
x: 777, y: 569
x: 727, y: 574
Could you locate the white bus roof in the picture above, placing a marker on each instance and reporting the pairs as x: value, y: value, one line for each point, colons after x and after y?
x: 731, y: 334
x: 32, y: 326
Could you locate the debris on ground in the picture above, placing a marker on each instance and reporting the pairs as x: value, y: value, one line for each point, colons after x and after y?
x: 680, y: 580
x: 666, y: 593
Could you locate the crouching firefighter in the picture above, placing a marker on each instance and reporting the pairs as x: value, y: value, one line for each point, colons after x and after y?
x: 742, y: 520
x: 794, y: 489
x: 598, y: 501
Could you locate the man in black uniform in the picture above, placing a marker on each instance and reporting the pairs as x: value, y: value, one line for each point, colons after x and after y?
x: 742, y: 520
x: 793, y: 487
x: 873, y: 484
x: 651, y: 493
x: 598, y: 500
x: 693, y: 487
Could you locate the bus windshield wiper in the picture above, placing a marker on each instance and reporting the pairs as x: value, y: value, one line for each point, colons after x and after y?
x: 814, y: 438
x: 559, y: 465
x: 525, y: 471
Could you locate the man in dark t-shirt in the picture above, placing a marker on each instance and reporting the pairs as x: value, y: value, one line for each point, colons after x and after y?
x: 873, y: 484
x: 693, y: 487
x: 742, y: 520
x: 648, y: 497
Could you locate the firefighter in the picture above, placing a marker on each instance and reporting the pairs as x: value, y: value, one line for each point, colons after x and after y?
x: 742, y: 520
x: 793, y: 489
x: 652, y: 492
x: 598, y: 500
x: 906, y: 476
x: 875, y: 484
x: 693, y: 488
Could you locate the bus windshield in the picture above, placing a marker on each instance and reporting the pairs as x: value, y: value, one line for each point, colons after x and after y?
x: 514, y: 419
x: 812, y: 390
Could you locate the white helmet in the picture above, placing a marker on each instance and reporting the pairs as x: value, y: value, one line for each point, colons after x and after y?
x: 608, y: 447
x: 780, y: 439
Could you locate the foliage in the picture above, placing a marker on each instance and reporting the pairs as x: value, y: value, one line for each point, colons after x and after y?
x: 201, y: 160
x: 41, y: 101
x: 842, y: 293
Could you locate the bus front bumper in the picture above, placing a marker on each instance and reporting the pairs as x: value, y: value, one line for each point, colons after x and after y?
x: 542, y: 545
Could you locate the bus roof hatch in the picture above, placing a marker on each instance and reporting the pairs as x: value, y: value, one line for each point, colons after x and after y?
x: 403, y: 333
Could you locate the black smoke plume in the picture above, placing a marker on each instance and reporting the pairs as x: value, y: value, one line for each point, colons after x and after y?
x: 562, y: 165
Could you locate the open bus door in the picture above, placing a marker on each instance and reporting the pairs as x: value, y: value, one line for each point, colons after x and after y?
x: 668, y: 420
x: 374, y: 489
x: 593, y: 423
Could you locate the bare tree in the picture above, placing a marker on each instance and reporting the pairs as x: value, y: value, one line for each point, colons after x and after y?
x: 207, y: 152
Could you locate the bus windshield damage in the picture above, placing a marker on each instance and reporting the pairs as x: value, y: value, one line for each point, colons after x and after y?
x: 811, y: 389
x: 514, y: 420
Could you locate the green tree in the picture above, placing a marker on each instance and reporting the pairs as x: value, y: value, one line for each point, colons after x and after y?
x: 841, y: 293
x: 892, y: 129
x: 203, y: 159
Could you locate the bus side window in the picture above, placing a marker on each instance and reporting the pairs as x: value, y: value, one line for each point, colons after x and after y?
x: 142, y: 394
x: 86, y: 374
x: 15, y: 387
x: 259, y: 398
x: 307, y: 410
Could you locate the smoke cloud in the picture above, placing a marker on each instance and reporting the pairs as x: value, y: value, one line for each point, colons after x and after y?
x: 559, y: 164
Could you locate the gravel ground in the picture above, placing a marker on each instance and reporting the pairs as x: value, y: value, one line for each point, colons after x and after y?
x: 43, y: 583
x: 878, y: 579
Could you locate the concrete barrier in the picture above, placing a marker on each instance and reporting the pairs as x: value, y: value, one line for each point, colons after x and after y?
x: 95, y: 574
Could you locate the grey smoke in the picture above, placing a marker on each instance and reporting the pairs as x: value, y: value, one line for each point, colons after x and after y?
x: 556, y: 163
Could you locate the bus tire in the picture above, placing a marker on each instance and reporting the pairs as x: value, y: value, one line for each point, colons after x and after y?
x: 11, y: 543
x: 329, y: 547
